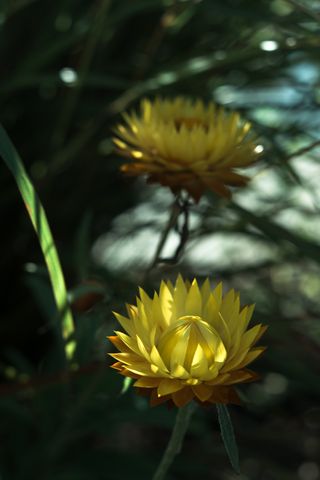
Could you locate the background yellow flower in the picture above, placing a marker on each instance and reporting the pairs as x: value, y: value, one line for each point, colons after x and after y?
x: 186, y: 144
x: 188, y: 341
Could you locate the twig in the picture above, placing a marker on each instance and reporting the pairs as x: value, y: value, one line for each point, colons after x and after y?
x: 303, y: 150
x: 184, y: 234
x: 304, y: 9
x: 175, y: 443
x: 180, y: 206
x: 175, y: 212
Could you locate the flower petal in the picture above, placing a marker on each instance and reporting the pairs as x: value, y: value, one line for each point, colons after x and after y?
x: 194, y: 300
x: 182, y: 397
x: 128, y: 341
x: 168, y: 386
x: 125, y: 322
x: 166, y: 302
x: 202, y: 391
x: 187, y: 342
x: 251, y: 356
x: 147, y: 382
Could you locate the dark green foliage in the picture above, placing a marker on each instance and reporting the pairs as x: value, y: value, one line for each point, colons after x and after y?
x: 228, y: 436
x: 69, y: 68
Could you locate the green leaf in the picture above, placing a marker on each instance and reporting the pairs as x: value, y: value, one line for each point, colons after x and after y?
x: 40, y: 223
x: 126, y: 385
x: 228, y: 437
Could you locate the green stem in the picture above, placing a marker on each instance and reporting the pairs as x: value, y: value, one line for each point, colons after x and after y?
x: 171, y: 223
x: 175, y: 212
x: 175, y: 443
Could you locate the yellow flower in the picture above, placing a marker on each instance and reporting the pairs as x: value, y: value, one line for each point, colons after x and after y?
x: 184, y: 144
x: 186, y: 342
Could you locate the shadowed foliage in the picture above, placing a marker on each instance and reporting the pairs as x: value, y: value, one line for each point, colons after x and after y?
x: 69, y: 69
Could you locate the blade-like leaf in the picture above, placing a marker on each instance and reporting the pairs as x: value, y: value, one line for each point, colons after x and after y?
x: 40, y: 223
x: 127, y: 382
x: 228, y: 437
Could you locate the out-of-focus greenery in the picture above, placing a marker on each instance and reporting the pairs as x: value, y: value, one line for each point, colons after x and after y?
x: 69, y: 68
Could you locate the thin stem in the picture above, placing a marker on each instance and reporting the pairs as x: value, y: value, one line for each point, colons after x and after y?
x: 180, y: 206
x: 183, y: 233
x: 175, y: 212
x: 176, y: 440
x: 304, y: 9
x: 303, y: 150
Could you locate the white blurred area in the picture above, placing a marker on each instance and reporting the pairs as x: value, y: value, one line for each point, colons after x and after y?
x: 130, y: 245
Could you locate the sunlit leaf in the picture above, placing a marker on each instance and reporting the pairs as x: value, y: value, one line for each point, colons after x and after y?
x: 40, y: 224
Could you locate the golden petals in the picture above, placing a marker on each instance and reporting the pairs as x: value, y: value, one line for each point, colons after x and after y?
x: 189, y: 341
x: 187, y: 145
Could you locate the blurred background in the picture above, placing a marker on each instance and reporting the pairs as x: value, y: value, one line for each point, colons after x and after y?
x: 69, y: 68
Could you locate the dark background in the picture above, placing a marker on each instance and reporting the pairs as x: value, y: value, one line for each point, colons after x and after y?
x: 68, y: 69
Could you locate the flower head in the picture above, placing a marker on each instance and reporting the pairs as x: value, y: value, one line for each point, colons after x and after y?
x: 186, y: 342
x: 187, y: 145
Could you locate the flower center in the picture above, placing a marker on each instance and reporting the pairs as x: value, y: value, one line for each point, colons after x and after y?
x: 190, y: 318
x: 189, y: 123
x: 189, y: 342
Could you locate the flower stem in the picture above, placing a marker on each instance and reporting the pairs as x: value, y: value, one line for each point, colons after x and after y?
x: 175, y: 212
x: 180, y: 206
x: 175, y: 443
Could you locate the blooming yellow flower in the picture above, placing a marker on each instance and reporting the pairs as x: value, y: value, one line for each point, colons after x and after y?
x: 186, y: 342
x: 186, y: 144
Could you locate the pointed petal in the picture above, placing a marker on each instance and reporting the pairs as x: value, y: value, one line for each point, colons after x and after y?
x: 217, y: 293
x: 179, y: 299
x: 168, y: 386
x: 251, y: 356
x: 146, y: 300
x: 147, y: 382
x: 211, y: 311
x: 182, y: 397
x: 142, y: 348
x: 179, y: 351
x: 194, y: 301
x: 228, y: 308
x: 202, y: 391
x: 178, y: 371
x: 128, y: 341
x: 205, y: 291
x: 157, y: 312
x: 234, y: 362
x: 126, y: 323
x: 166, y: 302
x: 142, y: 369
x: 249, y: 337
x: 199, y: 365
x: 119, y: 344
x: 126, y: 358
x: 263, y: 329
x: 241, y: 376
x: 157, y: 360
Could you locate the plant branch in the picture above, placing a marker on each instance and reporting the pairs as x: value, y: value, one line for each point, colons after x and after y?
x: 179, y: 207
x: 176, y: 440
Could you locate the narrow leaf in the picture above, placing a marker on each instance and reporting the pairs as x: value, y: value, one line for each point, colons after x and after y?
x: 228, y: 437
x: 40, y: 223
x: 126, y: 385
